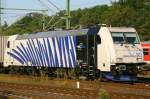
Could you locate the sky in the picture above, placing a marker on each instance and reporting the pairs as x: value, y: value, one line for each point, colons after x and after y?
x: 13, y: 15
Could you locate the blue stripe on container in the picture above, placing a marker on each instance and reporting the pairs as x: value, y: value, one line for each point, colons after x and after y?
x: 75, y: 46
x: 55, y: 53
x: 35, y: 53
x: 19, y: 55
x: 53, y: 60
x: 50, y: 54
x: 43, y: 54
x: 46, y: 53
x: 30, y: 55
x: 39, y: 52
x: 63, y: 47
x: 24, y: 54
x: 24, y: 51
x: 73, y: 55
x: 31, y: 50
x: 60, y: 50
x: 68, y: 51
x: 36, y: 49
x: 74, y: 40
x: 16, y: 57
x: 50, y: 58
x: 71, y: 52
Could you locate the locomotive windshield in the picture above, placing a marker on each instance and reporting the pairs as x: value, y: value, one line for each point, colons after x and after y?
x: 130, y: 38
x: 118, y: 37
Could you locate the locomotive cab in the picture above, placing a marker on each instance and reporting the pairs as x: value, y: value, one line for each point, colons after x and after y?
x: 121, y: 52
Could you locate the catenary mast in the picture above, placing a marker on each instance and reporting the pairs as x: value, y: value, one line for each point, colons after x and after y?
x: 68, y: 17
x: 0, y: 16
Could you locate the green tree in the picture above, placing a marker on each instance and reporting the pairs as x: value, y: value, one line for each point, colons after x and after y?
x: 127, y: 13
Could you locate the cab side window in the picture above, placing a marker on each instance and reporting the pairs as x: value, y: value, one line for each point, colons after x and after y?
x: 8, y: 44
x: 98, y: 39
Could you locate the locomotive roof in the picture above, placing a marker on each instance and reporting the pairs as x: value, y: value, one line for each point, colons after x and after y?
x: 90, y: 31
x: 121, y: 29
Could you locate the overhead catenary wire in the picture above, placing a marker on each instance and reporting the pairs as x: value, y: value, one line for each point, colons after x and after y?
x: 13, y: 16
x: 8, y: 13
x: 22, y: 9
x: 55, y: 24
x: 54, y: 15
x: 12, y: 13
x: 50, y: 10
x: 50, y: 21
x: 67, y: 15
x: 44, y: 5
x: 54, y: 5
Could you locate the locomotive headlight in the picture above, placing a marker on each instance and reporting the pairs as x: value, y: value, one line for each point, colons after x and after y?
x: 138, y: 67
x: 117, y: 68
x: 119, y: 60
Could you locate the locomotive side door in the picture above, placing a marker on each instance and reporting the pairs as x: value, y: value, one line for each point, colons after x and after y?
x: 92, y: 55
x: 86, y: 48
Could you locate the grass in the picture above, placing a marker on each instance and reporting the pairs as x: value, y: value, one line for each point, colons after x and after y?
x: 45, y: 81
x: 104, y: 95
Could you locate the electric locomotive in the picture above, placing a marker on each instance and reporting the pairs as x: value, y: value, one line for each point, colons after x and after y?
x: 113, y: 52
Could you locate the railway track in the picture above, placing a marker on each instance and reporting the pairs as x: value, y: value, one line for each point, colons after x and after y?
x: 115, y: 90
x: 20, y: 91
x: 127, y: 91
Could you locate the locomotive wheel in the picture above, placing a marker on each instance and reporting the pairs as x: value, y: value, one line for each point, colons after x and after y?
x: 116, y: 74
x: 134, y: 70
x: 114, y: 71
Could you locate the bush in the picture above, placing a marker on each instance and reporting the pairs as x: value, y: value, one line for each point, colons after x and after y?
x: 104, y: 95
